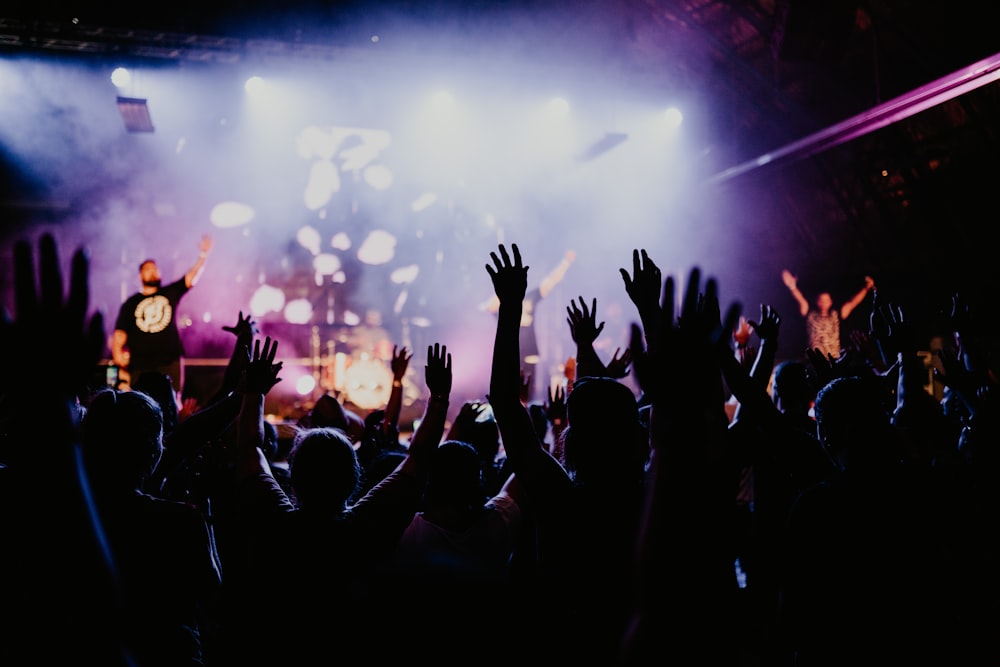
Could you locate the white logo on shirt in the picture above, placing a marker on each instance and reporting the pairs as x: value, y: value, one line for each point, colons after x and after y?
x: 153, y: 314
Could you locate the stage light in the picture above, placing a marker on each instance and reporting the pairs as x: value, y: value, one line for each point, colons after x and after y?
x: 266, y: 299
x: 135, y: 114
x: 121, y: 77
x: 557, y: 108
x: 298, y: 311
x: 423, y: 201
x: 324, y: 180
x: 378, y: 176
x: 442, y: 100
x: 378, y: 248
x: 231, y: 214
x: 326, y: 264
x: 405, y: 275
x: 254, y: 85
x: 674, y: 117
x: 305, y: 385
x: 340, y: 241
x: 308, y: 238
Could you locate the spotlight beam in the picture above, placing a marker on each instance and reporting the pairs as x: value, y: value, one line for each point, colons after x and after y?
x: 958, y: 83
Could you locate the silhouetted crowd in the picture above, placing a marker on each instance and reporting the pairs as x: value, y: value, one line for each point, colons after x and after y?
x: 737, y: 509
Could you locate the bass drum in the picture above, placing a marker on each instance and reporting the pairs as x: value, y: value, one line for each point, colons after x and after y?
x: 368, y: 383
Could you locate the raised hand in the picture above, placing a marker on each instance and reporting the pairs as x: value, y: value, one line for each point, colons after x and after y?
x: 769, y: 325
x: 42, y: 389
x: 582, y: 322
x: 399, y: 363
x: 244, y: 329
x: 555, y: 406
x: 618, y: 367
x: 555, y: 414
x: 510, y: 278
x: 262, y: 372
x: 437, y: 372
x: 46, y: 319
x: 823, y: 364
x: 584, y: 329
x: 897, y: 334
x: 464, y: 424
x: 791, y: 281
x: 206, y: 243
x: 643, y: 286
x: 685, y: 345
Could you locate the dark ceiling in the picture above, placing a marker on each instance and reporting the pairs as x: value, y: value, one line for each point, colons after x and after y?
x: 909, y: 202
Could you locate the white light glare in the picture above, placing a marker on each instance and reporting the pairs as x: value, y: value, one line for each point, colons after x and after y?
x: 298, y: 311
x: 266, y: 299
x: 308, y: 238
x: 326, y: 264
x: 121, y: 77
x: 378, y: 248
x: 340, y: 241
x: 423, y: 201
x: 405, y: 275
x: 254, y: 85
x: 674, y: 117
x: 305, y: 385
x: 442, y: 100
x: 557, y: 107
x: 231, y: 214
x: 378, y: 176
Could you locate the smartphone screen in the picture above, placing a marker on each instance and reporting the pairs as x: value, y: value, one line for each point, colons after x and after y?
x: 111, y: 376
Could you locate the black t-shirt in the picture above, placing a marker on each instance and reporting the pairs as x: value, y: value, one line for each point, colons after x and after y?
x: 150, y: 321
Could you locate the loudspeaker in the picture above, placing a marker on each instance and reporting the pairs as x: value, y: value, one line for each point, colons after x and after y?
x: 203, y: 378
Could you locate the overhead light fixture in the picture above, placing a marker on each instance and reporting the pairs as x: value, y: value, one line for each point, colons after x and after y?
x: 135, y: 114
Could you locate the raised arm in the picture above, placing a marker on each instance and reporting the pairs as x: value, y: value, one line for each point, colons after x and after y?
x: 555, y: 276
x: 42, y: 390
x: 430, y: 431
x: 855, y: 301
x: 399, y: 364
x: 584, y: 329
x: 683, y: 539
x: 194, y: 273
x: 244, y: 330
x: 643, y: 288
x: 792, y: 283
x: 526, y: 454
x: 754, y: 393
x: 260, y: 376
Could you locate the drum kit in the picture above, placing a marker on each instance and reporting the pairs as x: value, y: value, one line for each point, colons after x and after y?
x: 362, y: 374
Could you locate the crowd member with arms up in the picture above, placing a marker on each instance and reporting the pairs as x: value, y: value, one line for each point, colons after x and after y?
x: 328, y: 545
x: 62, y: 590
x: 685, y: 602
x: 585, y: 514
x: 823, y: 321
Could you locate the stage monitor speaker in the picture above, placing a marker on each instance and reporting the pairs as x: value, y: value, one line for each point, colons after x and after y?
x: 203, y: 378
